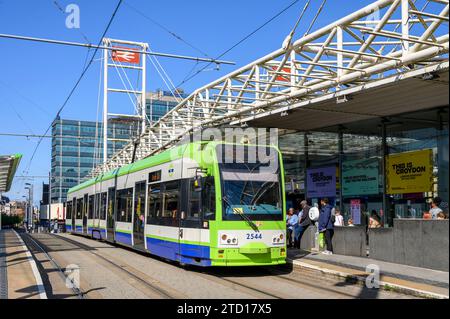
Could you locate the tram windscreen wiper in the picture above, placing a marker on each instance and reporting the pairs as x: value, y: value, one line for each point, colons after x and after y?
x: 239, y: 211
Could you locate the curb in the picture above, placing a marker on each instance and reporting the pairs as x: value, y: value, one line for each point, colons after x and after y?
x: 361, y: 280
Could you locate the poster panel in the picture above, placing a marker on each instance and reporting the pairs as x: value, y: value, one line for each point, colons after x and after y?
x: 355, y: 211
x: 321, y: 182
x: 360, y: 177
x: 410, y: 172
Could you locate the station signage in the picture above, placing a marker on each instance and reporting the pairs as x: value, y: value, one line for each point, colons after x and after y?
x: 321, y: 182
x: 410, y: 172
x: 125, y: 56
x: 360, y: 177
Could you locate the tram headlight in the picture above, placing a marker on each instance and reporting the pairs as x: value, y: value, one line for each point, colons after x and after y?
x: 278, y: 239
x: 227, y: 239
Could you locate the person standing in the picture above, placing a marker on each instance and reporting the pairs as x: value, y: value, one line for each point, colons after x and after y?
x: 339, y: 219
x: 435, y: 210
x: 291, y: 222
x: 325, y: 225
x: 303, y: 223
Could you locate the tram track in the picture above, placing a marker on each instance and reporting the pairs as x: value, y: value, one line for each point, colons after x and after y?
x: 306, y: 282
x: 234, y: 283
x: 31, y: 242
x: 135, y: 274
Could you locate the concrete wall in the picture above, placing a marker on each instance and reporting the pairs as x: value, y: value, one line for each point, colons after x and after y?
x: 381, y: 244
x: 350, y: 241
x: 308, y: 238
x: 346, y: 241
x: 414, y: 242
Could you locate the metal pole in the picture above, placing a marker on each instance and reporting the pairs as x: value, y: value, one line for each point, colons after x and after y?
x: 105, y: 104
x: 341, y: 179
x: 104, y: 47
x: 143, y: 97
x: 405, y: 26
x: 383, y: 168
x: 49, y: 201
x: 305, y: 178
x: 1, y: 212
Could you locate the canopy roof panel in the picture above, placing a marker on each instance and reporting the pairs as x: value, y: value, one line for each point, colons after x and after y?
x: 8, y: 167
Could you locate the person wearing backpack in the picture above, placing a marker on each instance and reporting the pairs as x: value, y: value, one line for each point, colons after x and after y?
x: 326, y: 225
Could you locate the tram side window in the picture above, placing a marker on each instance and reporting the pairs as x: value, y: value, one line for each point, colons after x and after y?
x: 79, y: 208
x: 154, y: 203
x: 91, y: 207
x: 171, y: 200
x: 103, y: 206
x: 209, y: 198
x: 96, y: 206
x: 69, y: 210
x: 124, y: 205
x: 139, y: 201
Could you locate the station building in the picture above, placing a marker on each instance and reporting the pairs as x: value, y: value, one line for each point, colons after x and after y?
x: 384, y: 150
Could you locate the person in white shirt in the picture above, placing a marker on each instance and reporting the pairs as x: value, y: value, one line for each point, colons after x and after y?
x: 435, y: 210
x: 338, y: 218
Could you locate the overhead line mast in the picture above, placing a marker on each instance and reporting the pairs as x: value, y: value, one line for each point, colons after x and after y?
x: 103, y: 47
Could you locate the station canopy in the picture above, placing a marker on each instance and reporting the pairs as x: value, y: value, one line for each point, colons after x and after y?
x: 8, y: 167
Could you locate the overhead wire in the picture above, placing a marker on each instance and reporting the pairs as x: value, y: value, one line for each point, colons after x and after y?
x: 166, y: 29
x: 77, y: 82
x: 241, y: 41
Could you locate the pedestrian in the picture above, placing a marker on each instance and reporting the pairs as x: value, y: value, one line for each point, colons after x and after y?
x: 350, y: 223
x: 338, y: 218
x: 303, y: 223
x: 374, y: 220
x: 291, y: 221
x: 325, y: 225
x: 435, y: 210
x: 427, y: 215
x: 441, y: 216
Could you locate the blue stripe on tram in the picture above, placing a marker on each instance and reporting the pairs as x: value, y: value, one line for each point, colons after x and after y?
x: 123, y: 238
x: 185, y: 253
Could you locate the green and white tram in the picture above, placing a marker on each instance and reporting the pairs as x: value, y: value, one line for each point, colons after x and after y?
x: 190, y: 204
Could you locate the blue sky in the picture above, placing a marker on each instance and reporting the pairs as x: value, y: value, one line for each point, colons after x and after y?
x: 36, y: 78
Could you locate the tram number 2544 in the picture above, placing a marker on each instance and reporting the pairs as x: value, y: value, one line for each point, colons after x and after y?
x: 251, y: 236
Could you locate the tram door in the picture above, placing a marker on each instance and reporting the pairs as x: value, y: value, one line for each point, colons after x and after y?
x: 74, y: 213
x: 84, y: 213
x: 190, y: 223
x: 139, y: 215
x: 110, y: 214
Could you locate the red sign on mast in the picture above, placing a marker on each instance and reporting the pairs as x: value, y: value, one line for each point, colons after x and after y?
x: 125, y: 56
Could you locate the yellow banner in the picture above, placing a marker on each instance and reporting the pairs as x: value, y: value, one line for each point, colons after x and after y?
x: 410, y: 172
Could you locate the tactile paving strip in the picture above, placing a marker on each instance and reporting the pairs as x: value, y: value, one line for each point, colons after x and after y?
x: 3, y: 269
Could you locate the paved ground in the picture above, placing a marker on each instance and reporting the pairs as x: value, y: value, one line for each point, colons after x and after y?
x: 415, y: 280
x: 17, y: 279
x: 107, y: 271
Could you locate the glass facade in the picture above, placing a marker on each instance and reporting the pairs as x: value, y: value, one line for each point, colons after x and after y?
x: 161, y: 102
x: 393, y: 167
x: 76, y: 150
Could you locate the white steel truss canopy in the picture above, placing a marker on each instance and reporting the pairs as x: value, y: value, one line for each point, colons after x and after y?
x: 8, y: 167
x: 386, y: 39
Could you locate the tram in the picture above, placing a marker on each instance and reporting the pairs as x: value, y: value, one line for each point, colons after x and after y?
x: 190, y: 204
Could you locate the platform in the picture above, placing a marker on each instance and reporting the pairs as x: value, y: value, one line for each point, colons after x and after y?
x: 407, y: 279
x: 19, y: 277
